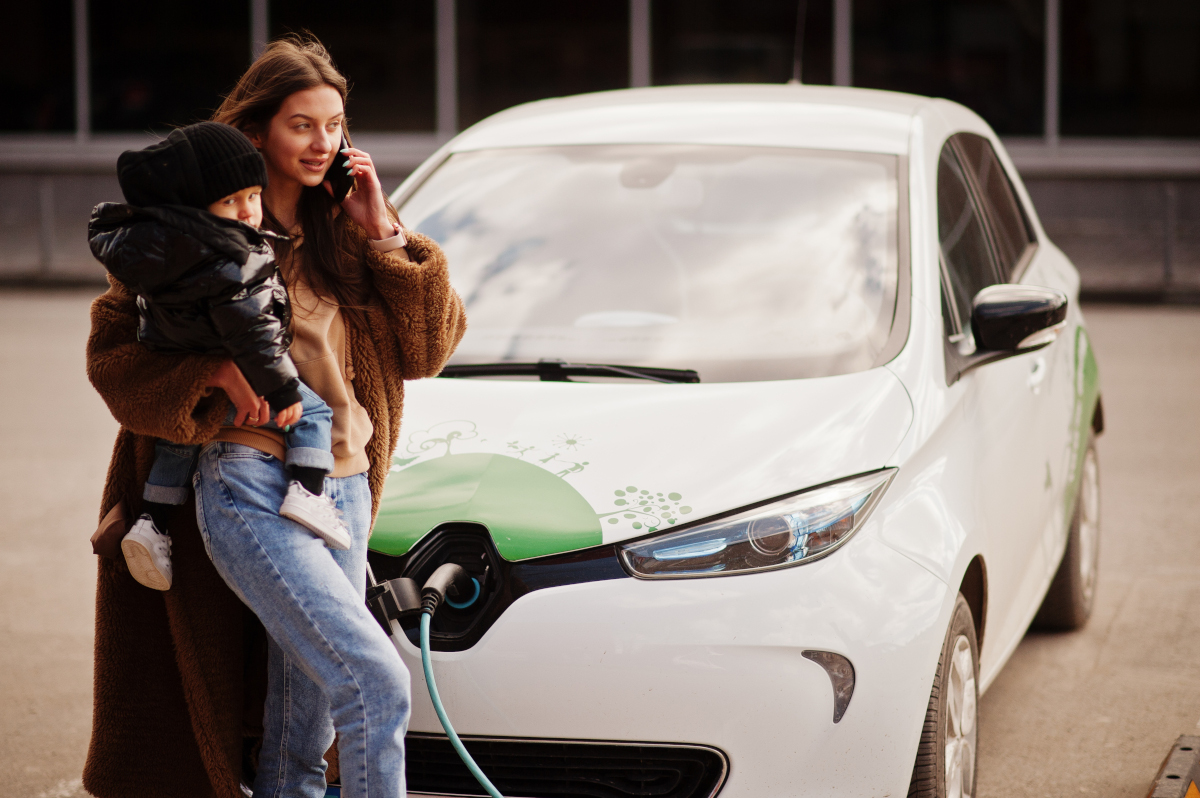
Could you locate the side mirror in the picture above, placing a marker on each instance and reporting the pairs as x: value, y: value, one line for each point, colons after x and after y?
x: 1007, y: 320
x: 1017, y: 318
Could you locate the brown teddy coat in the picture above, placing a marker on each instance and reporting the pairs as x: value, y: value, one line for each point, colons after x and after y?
x: 179, y: 675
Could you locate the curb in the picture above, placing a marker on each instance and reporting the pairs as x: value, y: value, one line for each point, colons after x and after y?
x: 1180, y: 770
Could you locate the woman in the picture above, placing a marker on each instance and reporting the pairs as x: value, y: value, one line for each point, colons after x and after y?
x: 372, y: 307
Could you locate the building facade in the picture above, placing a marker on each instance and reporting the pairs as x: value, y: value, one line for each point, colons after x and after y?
x: 1098, y: 100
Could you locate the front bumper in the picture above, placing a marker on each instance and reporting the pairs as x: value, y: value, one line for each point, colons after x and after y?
x: 716, y: 662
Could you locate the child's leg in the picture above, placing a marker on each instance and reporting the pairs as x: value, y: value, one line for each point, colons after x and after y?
x: 308, y: 462
x: 169, y: 481
x: 309, y: 440
x: 146, y: 547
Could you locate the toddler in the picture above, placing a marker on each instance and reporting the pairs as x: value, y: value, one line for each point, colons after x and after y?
x: 188, y: 243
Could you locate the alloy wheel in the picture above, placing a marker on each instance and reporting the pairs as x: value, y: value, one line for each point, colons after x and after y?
x: 1089, y: 525
x: 961, y: 729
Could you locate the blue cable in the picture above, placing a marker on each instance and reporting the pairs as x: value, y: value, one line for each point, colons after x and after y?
x: 427, y: 664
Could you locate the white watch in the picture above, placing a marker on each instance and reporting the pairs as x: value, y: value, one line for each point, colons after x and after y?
x: 395, y: 241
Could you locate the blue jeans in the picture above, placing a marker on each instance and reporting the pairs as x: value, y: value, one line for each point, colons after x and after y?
x: 308, y: 443
x: 327, y: 657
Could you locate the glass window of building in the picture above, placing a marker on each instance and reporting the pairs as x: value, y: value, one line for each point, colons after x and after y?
x: 515, y: 51
x: 986, y: 54
x: 156, y: 65
x: 386, y: 48
x: 727, y: 41
x: 37, y: 68
x: 1130, y: 68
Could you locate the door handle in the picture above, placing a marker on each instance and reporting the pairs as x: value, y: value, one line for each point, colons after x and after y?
x: 1037, y: 373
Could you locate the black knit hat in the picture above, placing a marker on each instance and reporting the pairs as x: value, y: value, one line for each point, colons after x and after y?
x: 196, y: 165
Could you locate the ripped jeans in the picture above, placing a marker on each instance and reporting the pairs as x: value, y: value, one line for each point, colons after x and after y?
x: 330, y: 665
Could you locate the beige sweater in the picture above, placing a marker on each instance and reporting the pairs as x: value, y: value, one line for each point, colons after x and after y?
x: 319, y: 352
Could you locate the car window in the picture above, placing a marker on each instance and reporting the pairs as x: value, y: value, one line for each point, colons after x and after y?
x: 966, y: 257
x: 1009, y: 226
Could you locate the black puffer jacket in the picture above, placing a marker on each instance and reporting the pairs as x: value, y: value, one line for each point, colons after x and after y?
x: 205, y: 285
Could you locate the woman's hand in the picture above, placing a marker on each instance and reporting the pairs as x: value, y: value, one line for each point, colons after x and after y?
x: 251, y: 409
x: 366, y: 203
x: 289, y: 415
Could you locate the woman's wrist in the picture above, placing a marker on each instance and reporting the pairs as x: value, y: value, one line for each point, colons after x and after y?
x: 392, y: 239
x: 381, y: 230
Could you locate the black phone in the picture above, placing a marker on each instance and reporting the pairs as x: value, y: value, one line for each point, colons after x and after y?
x: 336, y: 173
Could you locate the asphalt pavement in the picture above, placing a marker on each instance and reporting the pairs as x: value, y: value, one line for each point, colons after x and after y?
x: 1088, y: 713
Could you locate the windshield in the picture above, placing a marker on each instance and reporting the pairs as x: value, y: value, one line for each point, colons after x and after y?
x: 743, y: 263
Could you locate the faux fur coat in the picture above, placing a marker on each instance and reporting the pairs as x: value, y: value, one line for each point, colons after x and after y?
x: 179, y: 675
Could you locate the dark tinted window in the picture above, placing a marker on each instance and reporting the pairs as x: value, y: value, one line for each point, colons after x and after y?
x: 1131, y: 68
x: 160, y: 64
x: 961, y: 234
x: 515, y: 51
x: 37, y: 67
x: 390, y: 60
x: 1009, y: 227
x: 730, y: 41
x: 985, y: 54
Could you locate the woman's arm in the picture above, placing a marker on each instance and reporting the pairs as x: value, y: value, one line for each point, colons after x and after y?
x: 426, y: 313
x: 162, y: 395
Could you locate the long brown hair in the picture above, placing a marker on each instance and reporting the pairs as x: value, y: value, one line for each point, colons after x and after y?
x: 290, y: 64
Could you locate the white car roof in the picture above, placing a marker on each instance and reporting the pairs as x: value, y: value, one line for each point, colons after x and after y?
x: 818, y: 117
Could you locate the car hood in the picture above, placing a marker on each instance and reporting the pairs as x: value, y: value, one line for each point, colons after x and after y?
x: 552, y: 467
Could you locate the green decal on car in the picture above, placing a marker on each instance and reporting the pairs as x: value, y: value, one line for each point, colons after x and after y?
x: 1087, y: 392
x: 522, y: 494
x: 646, y: 509
x: 530, y: 512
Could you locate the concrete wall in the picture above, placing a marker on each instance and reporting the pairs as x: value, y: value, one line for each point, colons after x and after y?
x: 1126, y: 235
x: 43, y: 225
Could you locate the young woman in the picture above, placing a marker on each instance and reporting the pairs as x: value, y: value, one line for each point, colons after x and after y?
x: 372, y: 306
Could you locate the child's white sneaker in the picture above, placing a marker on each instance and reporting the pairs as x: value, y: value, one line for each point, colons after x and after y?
x: 318, y: 513
x: 148, y: 554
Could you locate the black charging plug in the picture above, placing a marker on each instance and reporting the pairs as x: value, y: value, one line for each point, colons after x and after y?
x: 394, y: 600
x: 450, y: 579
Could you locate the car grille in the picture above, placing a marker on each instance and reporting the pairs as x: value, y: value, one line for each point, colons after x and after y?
x: 557, y: 769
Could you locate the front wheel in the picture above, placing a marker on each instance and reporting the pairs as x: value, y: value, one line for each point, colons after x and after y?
x: 945, y: 766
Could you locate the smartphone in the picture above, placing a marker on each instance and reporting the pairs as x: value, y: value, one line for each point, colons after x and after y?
x: 336, y: 173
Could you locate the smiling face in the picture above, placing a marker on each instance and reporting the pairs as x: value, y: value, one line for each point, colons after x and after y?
x: 302, y: 138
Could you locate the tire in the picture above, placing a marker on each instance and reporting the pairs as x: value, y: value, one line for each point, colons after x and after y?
x: 945, y: 766
x: 1068, y: 602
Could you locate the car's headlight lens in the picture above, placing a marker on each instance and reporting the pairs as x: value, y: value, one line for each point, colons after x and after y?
x: 789, y: 531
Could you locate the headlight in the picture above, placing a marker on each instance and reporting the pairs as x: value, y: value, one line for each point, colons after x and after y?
x: 789, y: 531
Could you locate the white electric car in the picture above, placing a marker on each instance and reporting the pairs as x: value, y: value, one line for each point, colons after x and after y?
x: 771, y: 435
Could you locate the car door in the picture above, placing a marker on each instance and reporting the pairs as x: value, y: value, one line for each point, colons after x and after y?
x: 1051, y: 370
x: 1000, y: 404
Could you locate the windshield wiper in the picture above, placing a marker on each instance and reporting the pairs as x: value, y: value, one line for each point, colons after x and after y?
x: 560, y: 371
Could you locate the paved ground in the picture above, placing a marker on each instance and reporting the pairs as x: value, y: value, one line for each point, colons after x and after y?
x: 1095, y: 712
x: 55, y: 435
x: 1089, y: 713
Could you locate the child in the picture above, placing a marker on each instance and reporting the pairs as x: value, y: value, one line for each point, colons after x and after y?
x: 188, y: 244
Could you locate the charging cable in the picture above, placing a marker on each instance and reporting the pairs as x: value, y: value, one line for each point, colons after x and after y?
x: 446, y: 578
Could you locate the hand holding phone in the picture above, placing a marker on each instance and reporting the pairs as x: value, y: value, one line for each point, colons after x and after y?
x: 368, y: 205
x: 336, y: 174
